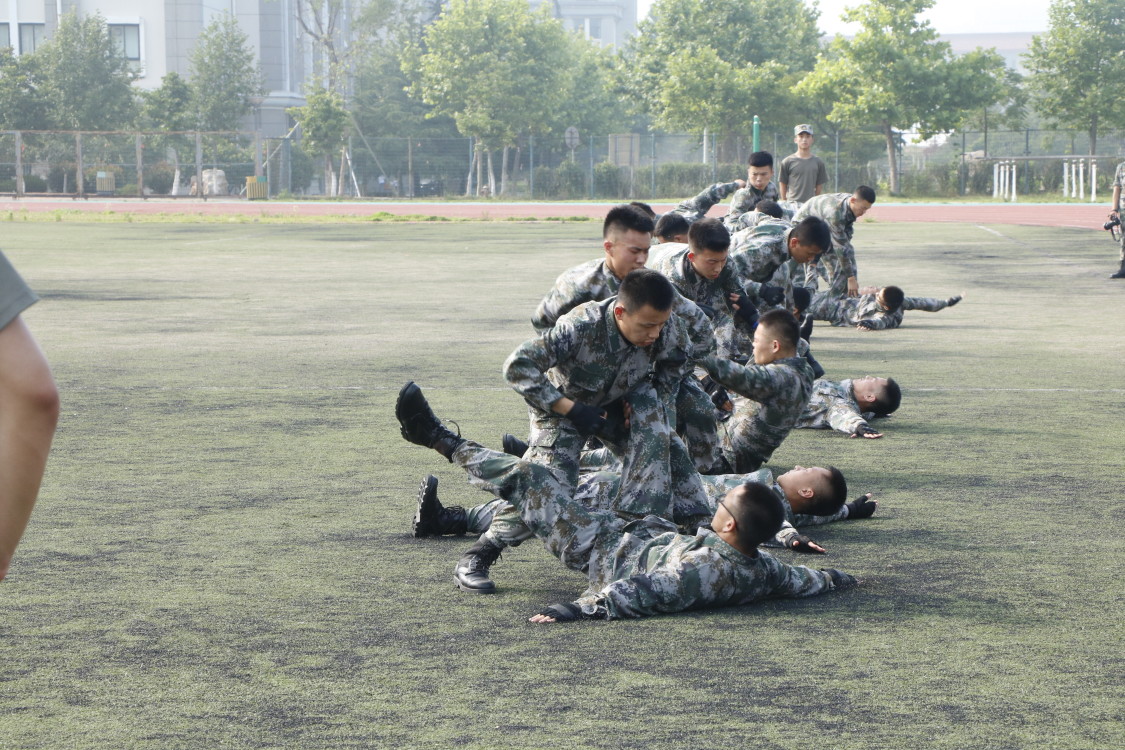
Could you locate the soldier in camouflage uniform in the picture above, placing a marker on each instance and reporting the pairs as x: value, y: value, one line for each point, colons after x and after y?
x: 848, y: 406
x: 608, y: 369
x: 1115, y: 213
x: 634, y: 567
x: 759, y: 187
x: 840, y: 211
x: 874, y: 309
x: 765, y: 209
x: 774, y: 391
x: 694, y: 209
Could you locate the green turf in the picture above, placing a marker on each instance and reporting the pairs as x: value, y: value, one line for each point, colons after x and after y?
x: 221, y: 555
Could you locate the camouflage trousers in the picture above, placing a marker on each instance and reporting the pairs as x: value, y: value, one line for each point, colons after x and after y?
x: 585, y: 539
x: 829, y: 269
x: 697, y: 424
x: 659, y: 477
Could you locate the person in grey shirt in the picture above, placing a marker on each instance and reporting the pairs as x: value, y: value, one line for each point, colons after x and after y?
x: 802, y: 175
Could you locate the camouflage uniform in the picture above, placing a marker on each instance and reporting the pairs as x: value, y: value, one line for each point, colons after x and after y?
x: 694, y: 209
x: 589, y: 282
x: 849, y: 311
x: 746, y: 198
x: 773, y: 397
x: 1119, y: 181
x: 833, y: 406
x: 838, y: 264
x: 635, y: 567
x: 585, y: 358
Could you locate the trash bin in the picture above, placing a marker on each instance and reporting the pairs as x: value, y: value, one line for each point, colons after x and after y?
x: 106, y: 183
x: 257, y: 188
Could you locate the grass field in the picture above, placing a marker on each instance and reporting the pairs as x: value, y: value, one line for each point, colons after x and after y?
x: 221, y: 555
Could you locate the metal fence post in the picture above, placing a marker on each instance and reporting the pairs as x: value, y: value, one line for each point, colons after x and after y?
x: 836, y: 178
x: 19, y: 164
x: 81, y: 187
x: 199, y: 165
x: 653, y: 149
x: 140, y: 166
x: 531, y: 165
x: 592, y: 167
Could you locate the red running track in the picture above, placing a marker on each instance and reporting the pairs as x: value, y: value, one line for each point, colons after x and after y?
x: 1086, y: 216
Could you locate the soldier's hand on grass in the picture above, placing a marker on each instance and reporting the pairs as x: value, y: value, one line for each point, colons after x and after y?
x: 954, y: 299
x: 864, y: 431
x: 565, y: 612
x: 802, y: 543
x: 862, y: 507
x: 865, y: 325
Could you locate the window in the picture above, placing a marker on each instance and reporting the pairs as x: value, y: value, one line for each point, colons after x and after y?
x: 5, y: 36
x: 595, y: 28
x: 127, y: 37
x: 31, y: 36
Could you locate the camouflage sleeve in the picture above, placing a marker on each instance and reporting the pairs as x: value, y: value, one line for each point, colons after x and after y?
x: 798, y: 580
x: 800, y: 519
x: 557, y: 303
x: 842, y: 417
x: 928, y: 304
x: 669, y: 588
x: 740, y: 203
x: 880, y: 321
x: 702, y: 203
x: 751, y: 381
x: 526, y: 368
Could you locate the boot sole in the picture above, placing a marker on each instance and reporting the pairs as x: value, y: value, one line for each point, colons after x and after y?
x: 472, y: 589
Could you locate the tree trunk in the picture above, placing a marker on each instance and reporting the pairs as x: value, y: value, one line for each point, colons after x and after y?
x: 491, y: 175
x: 504, y: 172
x: 480, y: 167
x: 469, y: 178
x: 892, y: 158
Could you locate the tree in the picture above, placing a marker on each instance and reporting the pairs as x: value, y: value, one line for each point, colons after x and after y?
x: 1077, y: 67
x: 224, y: 77
x: 324, y: 126
x: 23, y: 100
x: 895, y: 75
x: 496, y: 68
x: 169, y: 110
x: 731, y: 43
x: 87, y: 80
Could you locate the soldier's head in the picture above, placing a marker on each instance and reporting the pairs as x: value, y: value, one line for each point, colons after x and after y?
x: 644, y: 207
x: 890, y: 297
x: 769, y: 207
x: 747, y: 516
x: 775, y: 337
x: 708, y: 244
x: 760, y: 171
x: 672, y: 227
x: 803, y: 137
x: 802, y: 297
x: 862, y: 200
x: 644, y: 304
x: 808, y: 239
x: 626, y: 237
x: 879, y: 395
x: 814, y: 490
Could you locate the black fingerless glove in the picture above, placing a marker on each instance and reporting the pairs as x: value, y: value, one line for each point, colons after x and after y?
x: 861, y: 507
x: 771, y: 295
x: 587, y: 419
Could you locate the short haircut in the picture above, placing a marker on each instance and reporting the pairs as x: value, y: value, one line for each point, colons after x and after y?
x: 887, y: 401
x: 769, y: 207
x: 709, y: 235
x: 865, y: 193
x: 669, y: 225
x: 645, y: 286
x: 801, y: 298
x: 814, y: 231
x: 782, y: 325
x: 757, y: 513
x: 625, y: 217
x: 644, y: 207
x: 893, y: 297
x: 761, y: 159
x: 827, y: 500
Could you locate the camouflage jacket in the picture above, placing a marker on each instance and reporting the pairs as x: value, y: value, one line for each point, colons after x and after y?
x: 776, y: 393
x: 585, y: 358
x: 834, y: 209
x: 694, y: 209
x: 833, y: 406
x: 671, y: 259
x: 674, y: 572
x: 1119, y: 181
x: 590, y: 282
x: 746, y: 198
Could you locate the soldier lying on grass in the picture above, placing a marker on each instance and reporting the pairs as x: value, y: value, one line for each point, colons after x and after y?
x: 635, y: 566
x: 875, y: 309
x: 848, y: 406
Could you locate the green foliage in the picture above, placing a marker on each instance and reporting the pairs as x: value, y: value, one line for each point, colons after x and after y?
x: 895, y: 74
x: 323, y: 121
x: 224, y: 78
x: 741, y: 47
x: 1078, y: 66
x: 23, y: 102
x: 88, y: 83
x: 159, y: 176
x: 168, y: 107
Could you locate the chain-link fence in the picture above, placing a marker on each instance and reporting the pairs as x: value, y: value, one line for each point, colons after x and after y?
x: 562, y: 167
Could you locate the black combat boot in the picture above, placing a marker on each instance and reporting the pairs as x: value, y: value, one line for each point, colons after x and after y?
x: 420, y: 426
x: 513, y: 446
x: 1120, y: 272
x: 471, y: 573
x: 433, y: 519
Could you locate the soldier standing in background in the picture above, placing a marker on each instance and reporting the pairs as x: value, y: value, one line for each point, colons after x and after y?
x: 802, y: 175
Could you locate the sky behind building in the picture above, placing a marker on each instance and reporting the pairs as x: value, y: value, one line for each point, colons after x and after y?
x: 947, y: 16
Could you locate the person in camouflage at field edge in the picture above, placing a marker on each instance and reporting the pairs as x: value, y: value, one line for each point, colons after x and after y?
x: 875, y: 309
x: 848, y: 406
x: 635, y: 566
x: 608, y: 369
x: 774, y: 392
x: 840, y: 211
